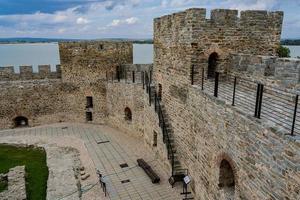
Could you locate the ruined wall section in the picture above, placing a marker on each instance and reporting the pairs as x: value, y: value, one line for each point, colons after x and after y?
x: 85, y: 64
x: 26, y: 73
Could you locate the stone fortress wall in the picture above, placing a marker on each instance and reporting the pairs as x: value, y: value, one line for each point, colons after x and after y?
x: 189, y: 33
x: 48, y: 97
x: 229, y: 153
x: 207, y: 132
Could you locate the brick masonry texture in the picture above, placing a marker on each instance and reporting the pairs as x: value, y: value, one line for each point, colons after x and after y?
x: 207, y: 133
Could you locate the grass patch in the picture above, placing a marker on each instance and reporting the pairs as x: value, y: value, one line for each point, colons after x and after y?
x: 36, y: 168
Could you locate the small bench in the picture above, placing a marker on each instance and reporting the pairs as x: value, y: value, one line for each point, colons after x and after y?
x: 149, y: 171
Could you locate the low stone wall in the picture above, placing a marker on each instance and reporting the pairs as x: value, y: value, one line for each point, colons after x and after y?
x: 283, y: 71
x: 26, y: 73
x: 16, y: 184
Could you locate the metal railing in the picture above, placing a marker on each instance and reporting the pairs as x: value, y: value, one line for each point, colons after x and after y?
x: 128, y: 76
x: 277, y: 106
x: 145, y: 78
x: 161, y: 120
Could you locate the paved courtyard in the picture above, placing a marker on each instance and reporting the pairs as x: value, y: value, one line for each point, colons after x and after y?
x: 108, y: 149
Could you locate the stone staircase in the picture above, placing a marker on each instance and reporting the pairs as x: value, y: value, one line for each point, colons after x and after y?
x: 177, y: 171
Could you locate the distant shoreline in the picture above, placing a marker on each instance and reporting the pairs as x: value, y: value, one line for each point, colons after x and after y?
x: 290, y: 42
x: 46, y: 40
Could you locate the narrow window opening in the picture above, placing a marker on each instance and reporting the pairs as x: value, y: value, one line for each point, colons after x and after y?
x: 89, y: 102
x: 154, y: 138
x: 101, y: 47
x: 159, y: 91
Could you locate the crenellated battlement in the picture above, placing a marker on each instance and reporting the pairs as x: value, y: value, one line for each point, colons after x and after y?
x: 247, y: 18
x: 26, y: 73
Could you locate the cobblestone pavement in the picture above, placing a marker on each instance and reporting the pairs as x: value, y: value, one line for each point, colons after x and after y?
x: 108, y: 149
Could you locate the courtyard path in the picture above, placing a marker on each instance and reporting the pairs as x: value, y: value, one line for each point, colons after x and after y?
x: 108, y: 149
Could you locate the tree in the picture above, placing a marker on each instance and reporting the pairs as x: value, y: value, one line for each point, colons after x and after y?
x: 283, y: 52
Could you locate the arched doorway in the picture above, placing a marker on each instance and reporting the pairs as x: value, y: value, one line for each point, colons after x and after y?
x: 21, y: 121
x: 128, y: 114
x: 212, y: 65
x: 227, y: 180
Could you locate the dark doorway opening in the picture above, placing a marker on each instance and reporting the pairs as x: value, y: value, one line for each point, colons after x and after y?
x: 212, y: 65
x: 226, y: 179
x: 21, y: 121
x: 128, y: 114
x: 89, y: 116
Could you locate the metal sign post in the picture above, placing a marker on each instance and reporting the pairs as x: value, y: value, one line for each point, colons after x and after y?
x: 186, y: 181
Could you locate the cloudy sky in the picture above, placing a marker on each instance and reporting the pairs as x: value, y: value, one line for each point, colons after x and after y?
x: 90, y: 19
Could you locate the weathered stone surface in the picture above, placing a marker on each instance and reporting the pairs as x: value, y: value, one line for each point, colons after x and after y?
x: 16, y: 184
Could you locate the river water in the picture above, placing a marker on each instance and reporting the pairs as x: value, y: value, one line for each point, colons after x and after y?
x: 47, y: 54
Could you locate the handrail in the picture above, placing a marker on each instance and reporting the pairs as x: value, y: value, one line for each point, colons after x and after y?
x: 146, y: 81
x: 166, y: 134
x: 274, y: 104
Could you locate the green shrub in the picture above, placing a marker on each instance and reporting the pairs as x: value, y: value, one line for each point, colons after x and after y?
x: 283, y: 52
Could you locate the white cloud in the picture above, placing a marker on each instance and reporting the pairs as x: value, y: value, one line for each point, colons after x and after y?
x: 100, y: 19
x: 59, y: 18
x: 176, y: 3
x: 132, y: 20
x: 128, y: 21
x: 164, y: 3
x: 252, y: 4
x: 82, y: 20
x: 61, y: 30
x: 179, y: 3
x: 115, y: 22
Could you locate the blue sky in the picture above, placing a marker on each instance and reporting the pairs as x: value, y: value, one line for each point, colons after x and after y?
x: 90, y: 19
